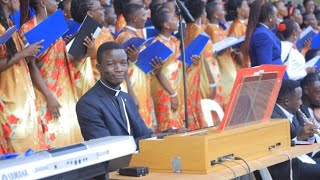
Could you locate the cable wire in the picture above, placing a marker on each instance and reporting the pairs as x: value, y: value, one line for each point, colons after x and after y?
x: 233, y: 160
x: 221, y: 163
x: 239, y: 158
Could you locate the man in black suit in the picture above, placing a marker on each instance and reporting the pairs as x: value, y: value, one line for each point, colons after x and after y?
x: 105, y: 110
x: 310, y: 95
x: 287, y: 105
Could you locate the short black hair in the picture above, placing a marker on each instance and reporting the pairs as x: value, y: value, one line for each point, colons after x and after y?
x: 309, y: 80
x: 107, y: 47
x: 311, y: 53
x: 159, y: 17
x: 266, y: 11
x: 287, y: 89
x: 211, y: 7
x: 196, y: 8
x: 79, y: 9
x: 130, y: 9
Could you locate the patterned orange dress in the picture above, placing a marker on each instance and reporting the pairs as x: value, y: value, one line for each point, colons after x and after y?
x: 192, y: 31
x: 20, y: 128
x: 172, y: 69
x: 57, y: 73
x: 140, y: 83
x: 85, y: 72
x: 227, y: 66
x: 237, y: 29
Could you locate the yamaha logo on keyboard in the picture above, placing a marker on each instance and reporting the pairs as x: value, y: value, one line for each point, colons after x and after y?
x: 15, y: 175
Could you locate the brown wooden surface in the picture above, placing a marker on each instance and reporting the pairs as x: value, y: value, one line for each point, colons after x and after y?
x: 277, y: 156
x: 197, y: 149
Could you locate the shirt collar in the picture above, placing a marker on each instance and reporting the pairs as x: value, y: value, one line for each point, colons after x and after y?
x: 264, y: 25
x: 289, y: 115
x: 164, y: 37
x: 110, y: 90
x: 242, y: 21
x: 131, y: 28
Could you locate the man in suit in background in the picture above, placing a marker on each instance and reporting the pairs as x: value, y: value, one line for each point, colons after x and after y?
x: 105, y: 110
x: 310, y: 95
x: 287, y: 106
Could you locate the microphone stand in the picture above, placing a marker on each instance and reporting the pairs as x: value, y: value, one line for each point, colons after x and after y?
x: 184, y: 69
x: 182, y: 10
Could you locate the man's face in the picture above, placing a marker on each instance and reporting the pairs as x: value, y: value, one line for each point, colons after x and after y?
x: 113, y: 67
x: 140, y: 18
x: 313, y: 93
x: 294, y: 102
x: 310, y: 7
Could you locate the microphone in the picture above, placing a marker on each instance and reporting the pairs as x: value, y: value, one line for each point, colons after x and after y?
x: 184, y: 11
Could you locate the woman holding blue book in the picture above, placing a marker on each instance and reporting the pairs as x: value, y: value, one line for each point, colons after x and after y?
x: 204, y: 75
x: 20, y: 128
x: 166, y: 86
x: 53, y: 79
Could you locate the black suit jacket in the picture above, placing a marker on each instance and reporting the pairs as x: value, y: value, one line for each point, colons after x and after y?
x: 98, y: 117
x: 295, y: 126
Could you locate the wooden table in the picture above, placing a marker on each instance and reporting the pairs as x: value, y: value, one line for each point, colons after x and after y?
x: 275, y: 157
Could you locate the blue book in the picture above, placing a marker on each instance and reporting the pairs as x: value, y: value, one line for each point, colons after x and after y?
x: 135, y: 41
x: 150, y: 32
x: 48, y: 30
x: 195, y: 47
x: 7, y: 35
x: 315, y: 43
x: 156, y: 49
x: 305, y: 35
x: 73, y: 27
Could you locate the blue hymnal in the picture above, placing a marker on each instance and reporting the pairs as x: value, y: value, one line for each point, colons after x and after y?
x: 7, y: 35
x: 146, y: 56
x: 195, y: 47
x: 305, y: 35
x: 315, y: 43
x: 150, y: 32
x: 135, y: 41
x: 73, y: 27
x: 48, y: 30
